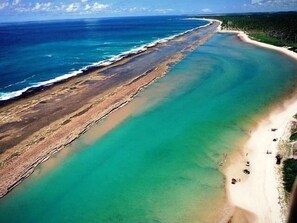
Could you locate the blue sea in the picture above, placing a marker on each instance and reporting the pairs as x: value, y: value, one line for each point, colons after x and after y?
x: 156, y: 160
x: 41, y: 53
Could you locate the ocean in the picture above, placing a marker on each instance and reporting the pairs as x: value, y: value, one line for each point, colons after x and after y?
x: 157, y: 160
x: 35, y: 54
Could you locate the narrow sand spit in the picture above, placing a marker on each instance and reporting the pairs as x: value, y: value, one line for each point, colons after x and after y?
x: 35, y: 127
x: 259, y: 193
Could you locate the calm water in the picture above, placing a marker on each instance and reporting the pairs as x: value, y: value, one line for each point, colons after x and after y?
x: 160, y: 164
x: 38, y: 53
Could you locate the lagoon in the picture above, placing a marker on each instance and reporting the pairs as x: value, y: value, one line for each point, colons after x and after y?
x: 159, y: 161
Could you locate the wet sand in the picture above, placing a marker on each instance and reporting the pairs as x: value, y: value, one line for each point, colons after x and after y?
x: 37, y: 126
x: 259, y: 197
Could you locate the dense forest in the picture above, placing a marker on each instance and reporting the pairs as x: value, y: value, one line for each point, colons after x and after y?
x: 279, y: 29
x: 289, y: 173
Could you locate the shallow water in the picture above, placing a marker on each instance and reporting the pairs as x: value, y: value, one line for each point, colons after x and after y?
x: 159, y: 160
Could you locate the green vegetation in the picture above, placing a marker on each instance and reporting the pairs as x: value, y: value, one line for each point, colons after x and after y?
x: 289, y: 173
x: 278, y: 29
x: 268, y: 39
x: 293, y: 137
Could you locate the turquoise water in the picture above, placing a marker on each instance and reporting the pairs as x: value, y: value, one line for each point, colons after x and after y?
x: 160, y: 164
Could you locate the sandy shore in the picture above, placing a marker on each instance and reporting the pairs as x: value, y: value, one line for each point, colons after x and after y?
x: 260, y: 193
x: 255, y: 198
x: 244, y: 37
x: 258, y: 196
x: 37, y: 126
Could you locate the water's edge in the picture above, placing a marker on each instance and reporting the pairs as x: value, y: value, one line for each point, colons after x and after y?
x: 26, y: 92
x: 12, y: 177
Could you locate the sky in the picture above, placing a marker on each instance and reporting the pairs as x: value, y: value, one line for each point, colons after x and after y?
x: 24, y: 10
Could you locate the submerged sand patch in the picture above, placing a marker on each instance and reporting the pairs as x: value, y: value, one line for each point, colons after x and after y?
x: 36, y: 127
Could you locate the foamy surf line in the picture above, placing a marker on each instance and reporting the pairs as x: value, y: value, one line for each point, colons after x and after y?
x: 4, y: 97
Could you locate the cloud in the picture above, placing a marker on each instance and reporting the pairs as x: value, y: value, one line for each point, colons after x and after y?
x: 87, y: 7
x: 272, y: 5
x: 42, y: 7
x: 3, y: 5
x: 73, y: 7
x: 132, y: 10
x: 76, y: 7
x: 16, y: 2
x: 260, y: 2
x: 206, y: 10
x: 274, y: 2
x: 137, y: 10
x: 98, y: 6
x: 36, y: 7
x: 164, y: 11
x: 140, y: 10
x: 95, y: 7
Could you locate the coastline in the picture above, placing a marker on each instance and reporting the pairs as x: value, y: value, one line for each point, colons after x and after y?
x: 79, y: 103
x: 40, y: 86
x: 245, y: 38
x: 62, y: 132
x: 259, y: 196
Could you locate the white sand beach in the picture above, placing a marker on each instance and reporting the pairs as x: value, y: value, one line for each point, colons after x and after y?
x: 259, y: 193
x: 244, y: 37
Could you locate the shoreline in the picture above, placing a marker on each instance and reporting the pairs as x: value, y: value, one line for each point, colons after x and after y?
x: 264, y: 208
x: 245, y: 38
x: 78, y: 103
x: 30, y: 90
x: 47, y: 154
x: 259, y: 196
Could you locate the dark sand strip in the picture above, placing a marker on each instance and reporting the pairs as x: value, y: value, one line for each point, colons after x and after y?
x: 38, y: 125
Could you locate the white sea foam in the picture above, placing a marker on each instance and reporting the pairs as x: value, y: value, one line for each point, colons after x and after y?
x: 9, y: 95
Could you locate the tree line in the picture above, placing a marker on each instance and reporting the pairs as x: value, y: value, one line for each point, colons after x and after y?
x: 280, y: 28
